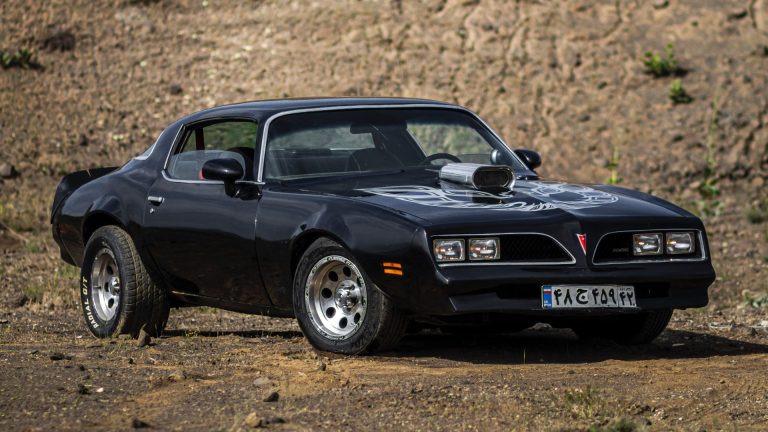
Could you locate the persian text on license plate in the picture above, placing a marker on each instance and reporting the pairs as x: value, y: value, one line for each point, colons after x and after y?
x: 587, y: 296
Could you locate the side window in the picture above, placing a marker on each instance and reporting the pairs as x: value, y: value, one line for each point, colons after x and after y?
x: 228, y: 139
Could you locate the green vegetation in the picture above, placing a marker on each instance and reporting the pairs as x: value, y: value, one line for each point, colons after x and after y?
x: 583, y: 403
x: 751, y: 299
x: 659, y: 66
x: 613, y: 166
x: 677, y: 93
x: 708, y: 204
x: 758, y: 213
x: 34, y: 292
x: 22, y: 58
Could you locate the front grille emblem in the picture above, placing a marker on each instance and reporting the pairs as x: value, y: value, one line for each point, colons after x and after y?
x: 583, y: 242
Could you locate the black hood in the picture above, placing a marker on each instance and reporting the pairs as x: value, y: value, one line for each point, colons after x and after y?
x: 419, y: 193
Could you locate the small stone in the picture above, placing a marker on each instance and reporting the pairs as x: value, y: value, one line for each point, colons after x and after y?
x: 660, y: 4
x: 139, y: 424
x: 59, y: 40
x: 272, y: 397
x: 7, y: 170
x: 4, y: 321
x: 177, y: 376
x: 261, y: 382
x: 82, y: 389
x: 56, y: 356
x: 737, y: 15
x: 144, y: 339
x: 585, y: 118
x: 321, y: 366
x: 272, y: 421
x: 130, y: 360
x: 33, y: 352
x: 83, y: 140
x: 252, y: 420
x: 175, y: 89
x: 18, y: 300
x: 81, y: 368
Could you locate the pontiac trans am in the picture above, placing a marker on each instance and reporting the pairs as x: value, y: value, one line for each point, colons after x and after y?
x: 363, y: 218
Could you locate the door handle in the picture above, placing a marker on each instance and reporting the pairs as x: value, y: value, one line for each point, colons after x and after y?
x: 156, y: 200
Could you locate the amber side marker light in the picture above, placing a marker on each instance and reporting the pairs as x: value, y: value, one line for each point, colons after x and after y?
x: 393, y: 268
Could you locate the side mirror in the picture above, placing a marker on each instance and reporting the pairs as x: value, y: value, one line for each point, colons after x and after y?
x: 529, y: 157
x: 227, y: 170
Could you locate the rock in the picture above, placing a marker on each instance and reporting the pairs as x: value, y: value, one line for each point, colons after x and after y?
x: 4, y: 321
x: 139, y: 424
x: 272, y: 421
x: 252, y: 420
x: 660, y: 4
x: 737, y: 15
x: 177, y: 376
x: 82, y: 389
x: 321, y: 366
x: 59, y: 40
x: 18, y: 300
x: 56, y: 356
x: 83, y: 141
x: 261, y: 382
x: 144, y: 339
x: 272, y: 397
x: 7, y: 171
x: 175, y: 89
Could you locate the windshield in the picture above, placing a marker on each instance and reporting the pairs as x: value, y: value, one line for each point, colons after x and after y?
x: 367, y: 140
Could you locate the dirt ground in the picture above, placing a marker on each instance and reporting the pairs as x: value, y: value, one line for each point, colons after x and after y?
x: 564, y: 78
x: 214, y: 370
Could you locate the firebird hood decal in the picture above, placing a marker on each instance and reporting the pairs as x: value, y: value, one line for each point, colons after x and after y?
x: 552, y: 196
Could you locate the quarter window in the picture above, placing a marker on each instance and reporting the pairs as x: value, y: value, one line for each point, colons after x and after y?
x: 229, y: 139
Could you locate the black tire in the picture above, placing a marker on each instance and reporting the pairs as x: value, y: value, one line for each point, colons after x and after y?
x: 382, y: 326
x: 142, y: 304
x: 635, y: 329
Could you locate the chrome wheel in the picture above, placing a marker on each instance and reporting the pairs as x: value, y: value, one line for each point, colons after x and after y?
x: 105, y: 285
x: 335, y: 297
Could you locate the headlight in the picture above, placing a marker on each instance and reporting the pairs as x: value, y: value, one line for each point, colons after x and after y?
x: 679, y: 243
x: 449, y: 249
x: 483, y: 249
x: 646, y: 244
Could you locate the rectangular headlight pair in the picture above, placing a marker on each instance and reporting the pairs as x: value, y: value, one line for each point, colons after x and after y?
x: 673, y: 243
x: 480, y: 249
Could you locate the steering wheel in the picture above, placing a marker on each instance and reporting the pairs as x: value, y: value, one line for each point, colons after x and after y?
x: 428, y: 160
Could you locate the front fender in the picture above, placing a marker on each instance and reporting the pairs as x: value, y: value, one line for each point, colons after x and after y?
x: 288, y: 223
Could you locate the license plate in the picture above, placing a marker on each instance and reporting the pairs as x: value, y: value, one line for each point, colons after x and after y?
x: 587, y: 296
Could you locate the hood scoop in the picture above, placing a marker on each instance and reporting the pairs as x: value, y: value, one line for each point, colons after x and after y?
x: 480, y: 177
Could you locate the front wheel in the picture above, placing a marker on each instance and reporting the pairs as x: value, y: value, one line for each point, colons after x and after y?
x: 117, y: 294
x: 338, y: 308
x: 635, y: 329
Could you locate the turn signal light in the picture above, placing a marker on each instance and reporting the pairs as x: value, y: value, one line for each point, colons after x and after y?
x: 393, y: 268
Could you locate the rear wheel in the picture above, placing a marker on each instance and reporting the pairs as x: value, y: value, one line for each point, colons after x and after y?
x: 632, y: 329
x: 117, y: 294
x: 338, y: 308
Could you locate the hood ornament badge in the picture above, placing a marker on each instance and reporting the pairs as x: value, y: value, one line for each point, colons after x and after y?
x: 583, y: 242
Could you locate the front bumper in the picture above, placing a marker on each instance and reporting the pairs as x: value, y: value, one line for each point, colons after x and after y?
x: 516, y: 289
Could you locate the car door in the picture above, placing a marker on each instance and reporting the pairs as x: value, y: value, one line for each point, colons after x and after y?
x: 200, y: 238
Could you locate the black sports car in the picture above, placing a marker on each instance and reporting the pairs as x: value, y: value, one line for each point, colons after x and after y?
x: 360, y: 216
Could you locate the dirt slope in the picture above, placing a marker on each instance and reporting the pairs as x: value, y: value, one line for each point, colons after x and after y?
x: 564, y: 78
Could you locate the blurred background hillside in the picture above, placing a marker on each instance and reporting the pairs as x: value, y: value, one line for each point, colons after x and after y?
x: 92, y: 83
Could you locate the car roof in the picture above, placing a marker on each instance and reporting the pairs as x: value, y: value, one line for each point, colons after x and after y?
x: 273, y: 106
